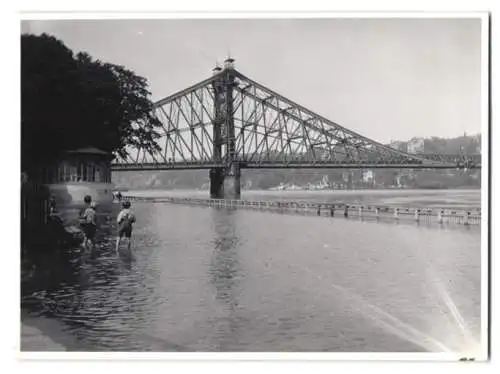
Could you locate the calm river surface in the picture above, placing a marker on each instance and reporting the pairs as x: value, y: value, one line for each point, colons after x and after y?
x: 207, y: 279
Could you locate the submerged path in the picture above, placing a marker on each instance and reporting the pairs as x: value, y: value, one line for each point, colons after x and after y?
x: 329, y: 209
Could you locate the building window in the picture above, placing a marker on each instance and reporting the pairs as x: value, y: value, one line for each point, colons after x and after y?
x: 90, y: 173
x: 76, y: 171
x: 97, y: 173
x: 73, y: 174
x: 81, y: 172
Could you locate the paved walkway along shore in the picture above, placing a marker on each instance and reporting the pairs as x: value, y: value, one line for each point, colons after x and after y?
x: 34, y: 340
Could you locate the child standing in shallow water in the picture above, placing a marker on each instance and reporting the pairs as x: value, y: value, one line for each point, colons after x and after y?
x: 125, y: 220
x: 89, y: 223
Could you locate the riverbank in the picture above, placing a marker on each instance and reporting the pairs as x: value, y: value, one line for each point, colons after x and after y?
x: 34, y: 339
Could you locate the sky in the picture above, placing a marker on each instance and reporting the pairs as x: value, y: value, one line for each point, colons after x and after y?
x: 387, y: 79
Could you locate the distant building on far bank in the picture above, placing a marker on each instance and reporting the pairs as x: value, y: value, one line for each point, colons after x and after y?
x: 416, y: 145
x: 368, y: 176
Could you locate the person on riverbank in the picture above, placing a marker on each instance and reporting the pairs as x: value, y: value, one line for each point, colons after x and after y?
x: 125, y: 220
x: 88, y: 223
x: 53, y: 214
x: 52, y: 205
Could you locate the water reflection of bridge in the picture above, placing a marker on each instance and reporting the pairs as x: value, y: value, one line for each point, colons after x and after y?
x: 226, y: 275
x: 229, y: 122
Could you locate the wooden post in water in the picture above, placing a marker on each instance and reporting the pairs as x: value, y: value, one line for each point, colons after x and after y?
x: 396, y: 214
x: 440, y: 216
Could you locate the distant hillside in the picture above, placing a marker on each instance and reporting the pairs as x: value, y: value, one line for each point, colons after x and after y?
x: 382, y: 178
x: 462, y: 144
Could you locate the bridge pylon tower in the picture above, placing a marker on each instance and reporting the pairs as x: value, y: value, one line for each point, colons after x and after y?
x: 224, y: 181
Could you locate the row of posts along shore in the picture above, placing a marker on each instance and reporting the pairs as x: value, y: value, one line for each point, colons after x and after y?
x: 386, y: 213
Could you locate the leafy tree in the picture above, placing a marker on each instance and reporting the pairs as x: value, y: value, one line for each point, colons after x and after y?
x: 72, y: 101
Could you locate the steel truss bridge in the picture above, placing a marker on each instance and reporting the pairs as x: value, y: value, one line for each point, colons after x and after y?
x: 228, y: 122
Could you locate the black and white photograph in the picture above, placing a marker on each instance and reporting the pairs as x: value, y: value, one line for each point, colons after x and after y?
x: 266, y: 184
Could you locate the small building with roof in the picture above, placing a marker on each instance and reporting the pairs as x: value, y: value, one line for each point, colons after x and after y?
x: 80, y: 172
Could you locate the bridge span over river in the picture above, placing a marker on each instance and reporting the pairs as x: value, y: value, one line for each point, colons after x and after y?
x: 230, y: 122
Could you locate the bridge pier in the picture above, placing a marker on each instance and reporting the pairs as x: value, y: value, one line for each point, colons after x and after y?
x: 217, y: 183
x: 225, y: 184
x: 232, y: 185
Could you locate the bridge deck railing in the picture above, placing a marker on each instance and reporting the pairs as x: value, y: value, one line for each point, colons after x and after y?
x: 331, y: 209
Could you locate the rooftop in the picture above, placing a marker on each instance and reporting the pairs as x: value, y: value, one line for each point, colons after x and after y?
x: 89, y: 150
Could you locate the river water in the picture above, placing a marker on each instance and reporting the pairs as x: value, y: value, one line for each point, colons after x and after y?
x: 208, y: 279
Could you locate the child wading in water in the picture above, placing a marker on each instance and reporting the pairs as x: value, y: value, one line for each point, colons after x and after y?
x: 125, y: 220
x: 88, y: 223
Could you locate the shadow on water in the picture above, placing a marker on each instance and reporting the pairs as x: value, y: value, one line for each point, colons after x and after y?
x: 97, y: 301
x: 62, y: 280
x: 225, y: 275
